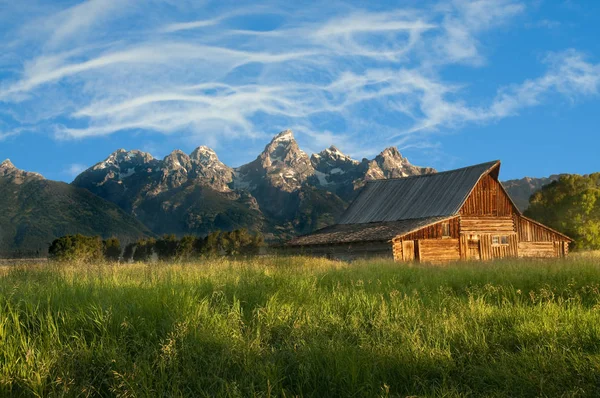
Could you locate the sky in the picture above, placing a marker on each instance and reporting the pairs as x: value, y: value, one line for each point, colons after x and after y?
x: 450, y: 83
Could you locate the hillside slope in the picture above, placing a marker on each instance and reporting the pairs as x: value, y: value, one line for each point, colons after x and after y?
x: 35, y: 211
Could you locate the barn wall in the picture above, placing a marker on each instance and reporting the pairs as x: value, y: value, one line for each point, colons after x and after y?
x: 346, y: 252
x: 438, y: 250
x: 489, y: 250
x: 491, y: 225
x: 538, y: 249
x: 488, y: 199
x: 532, y: 232
x: 435, y: 231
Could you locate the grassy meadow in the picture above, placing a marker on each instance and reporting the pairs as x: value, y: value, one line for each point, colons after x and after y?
x: 301, y: 327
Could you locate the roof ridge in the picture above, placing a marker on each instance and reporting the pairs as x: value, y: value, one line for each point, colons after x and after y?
x: 492, y: 162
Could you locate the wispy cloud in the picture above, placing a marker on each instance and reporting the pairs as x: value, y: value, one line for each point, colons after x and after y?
x: 73, y: 170
x: 350, y: 76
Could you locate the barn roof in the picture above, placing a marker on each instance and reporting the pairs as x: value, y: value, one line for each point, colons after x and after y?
x: 418, y: 197
x: 370, y: 232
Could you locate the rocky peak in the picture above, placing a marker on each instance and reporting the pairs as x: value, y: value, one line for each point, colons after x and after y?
x: 332, y: 158
x: 283, y: 150
x: 8, y: 170
x: 282, y: 163
x: 7, y: 164
x: 204, y: 155
x: 394, y: 165
x: 208, y: 169
x: 177, y: 160
x: 123, y: 157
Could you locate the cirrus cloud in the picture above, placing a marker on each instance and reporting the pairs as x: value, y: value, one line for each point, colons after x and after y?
x: 81, y: 74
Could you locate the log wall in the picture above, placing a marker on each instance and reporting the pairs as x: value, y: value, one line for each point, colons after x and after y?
x: 435, y: 231
x: 438, y: 250
x: 538, y: 249
x: 346, y: 252
x: 530, y: 231
x: 488, y: 198
x: 490, y: 225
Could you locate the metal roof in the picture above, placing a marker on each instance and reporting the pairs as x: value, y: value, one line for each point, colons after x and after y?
x: 424, y: 196
x: 372, y: 232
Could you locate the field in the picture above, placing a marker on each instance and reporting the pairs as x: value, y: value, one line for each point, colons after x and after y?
x: 301, y: 327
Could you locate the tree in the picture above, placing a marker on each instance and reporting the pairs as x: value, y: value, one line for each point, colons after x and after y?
x: 144, y: 249
x: 112, y: 249
x: 128, y: 252
x: 186, y: 247
x: 78, y: 248
x: 166, y: 247
x: 570, y: 205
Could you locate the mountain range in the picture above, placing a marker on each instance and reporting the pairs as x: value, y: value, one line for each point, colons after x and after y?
x: 282, y: 193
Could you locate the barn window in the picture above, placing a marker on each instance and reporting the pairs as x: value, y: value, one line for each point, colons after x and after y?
x: 445, y: 230
x: 499, y: 240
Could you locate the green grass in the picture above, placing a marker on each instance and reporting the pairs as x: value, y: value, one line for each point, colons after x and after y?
x: 301, y: 327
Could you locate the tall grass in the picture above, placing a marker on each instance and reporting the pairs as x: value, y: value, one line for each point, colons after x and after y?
x: 301, y: 327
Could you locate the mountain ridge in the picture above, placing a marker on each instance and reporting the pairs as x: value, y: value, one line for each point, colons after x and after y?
x: 279, y: 187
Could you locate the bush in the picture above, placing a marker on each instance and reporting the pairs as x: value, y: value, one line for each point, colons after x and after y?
x: 167, y: 248
x: 77, y: 248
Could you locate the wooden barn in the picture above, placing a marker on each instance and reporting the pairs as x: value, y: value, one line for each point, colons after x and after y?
x: 462, y: 214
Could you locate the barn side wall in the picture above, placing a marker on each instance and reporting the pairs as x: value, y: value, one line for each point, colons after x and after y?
x: 435, y: 231
x: 345, y: 252
x: 530, y: 231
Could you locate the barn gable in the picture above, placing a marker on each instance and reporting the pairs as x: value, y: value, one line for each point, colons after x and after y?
x: 489, y: 198
x: 429, y: 195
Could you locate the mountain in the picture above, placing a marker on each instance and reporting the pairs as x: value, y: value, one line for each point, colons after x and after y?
x: 520, y: 190
x: 35, y: 211
x: 282, y: 192
x: 179, y: 194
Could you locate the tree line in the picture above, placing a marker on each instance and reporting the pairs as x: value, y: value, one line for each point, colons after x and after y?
x: 91, y: 249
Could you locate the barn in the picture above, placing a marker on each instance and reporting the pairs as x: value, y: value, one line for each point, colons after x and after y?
x: 462, y: 214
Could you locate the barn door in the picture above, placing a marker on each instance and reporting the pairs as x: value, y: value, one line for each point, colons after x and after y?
x: 485, y: 246
x: 469, y: 247
x: 408, y: 250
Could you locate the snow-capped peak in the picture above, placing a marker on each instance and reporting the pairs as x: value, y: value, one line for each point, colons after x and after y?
x: 284, y: 136
x: 121, y: 156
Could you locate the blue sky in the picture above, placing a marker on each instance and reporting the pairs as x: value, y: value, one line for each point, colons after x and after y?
x: 450, y: 83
